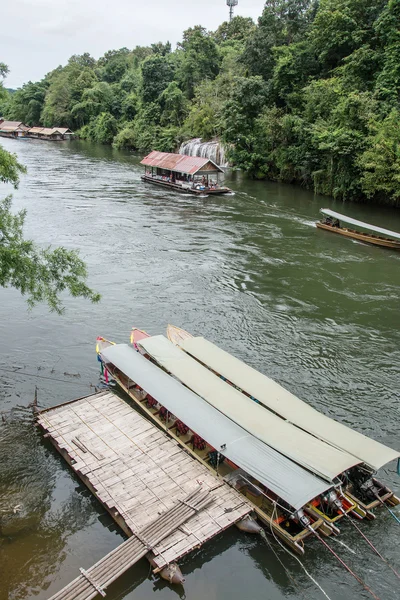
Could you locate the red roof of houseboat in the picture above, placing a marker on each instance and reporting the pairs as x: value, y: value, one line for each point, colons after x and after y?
x: 179, y: 163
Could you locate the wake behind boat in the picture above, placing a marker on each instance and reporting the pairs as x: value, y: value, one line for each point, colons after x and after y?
x: 337, y: 223
x: 190, y: 174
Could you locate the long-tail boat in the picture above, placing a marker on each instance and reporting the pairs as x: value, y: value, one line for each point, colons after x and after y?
x: 318, y: 457
x: 337, y: 223
x: 284, y: 495
x: 189, y: 174
x: 359, y: 481
x: 281, y: 437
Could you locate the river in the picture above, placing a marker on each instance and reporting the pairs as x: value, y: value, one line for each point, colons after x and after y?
x: 317, y: 312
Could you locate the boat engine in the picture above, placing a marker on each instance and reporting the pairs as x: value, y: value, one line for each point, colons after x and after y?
x: 333, y: 501
x: 302, y: 518
x: 364, y: 486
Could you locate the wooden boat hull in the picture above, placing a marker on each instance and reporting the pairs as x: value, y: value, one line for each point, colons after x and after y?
x: 363, y: 237
x: 179, y: 188
x: 389, y: 498
x: 136, y: 336
x: 350, y: 505
x: 101, y: 344
x: 177, y: 335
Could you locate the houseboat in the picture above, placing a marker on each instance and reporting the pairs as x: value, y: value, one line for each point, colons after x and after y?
x: 13, y: 129
x: 190, y: 174
x: 53, y: 134
x: 337, y: 223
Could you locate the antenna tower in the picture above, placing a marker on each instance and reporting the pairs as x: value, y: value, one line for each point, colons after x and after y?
x: 231, y: 4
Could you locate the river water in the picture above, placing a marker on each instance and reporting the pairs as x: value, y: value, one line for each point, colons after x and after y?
x: 318, y: 313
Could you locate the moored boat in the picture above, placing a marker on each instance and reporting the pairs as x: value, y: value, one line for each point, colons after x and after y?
x: 331, y: 507
x: 190, y: 174
x: 338, y: 223
x: 283, y: 494
x: 359, y: 482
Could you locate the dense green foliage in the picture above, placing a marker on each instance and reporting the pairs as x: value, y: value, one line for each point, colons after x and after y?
x: 309, y: 95
x: 40, y: 274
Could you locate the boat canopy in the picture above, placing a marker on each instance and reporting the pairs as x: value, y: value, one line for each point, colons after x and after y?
x: 287, y: 405
x: 180, y: 163
x: 350, y: 221
x: 315, y: 455
x: 283, y: 477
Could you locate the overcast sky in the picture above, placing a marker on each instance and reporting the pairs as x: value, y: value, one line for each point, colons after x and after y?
x: 38, y: 35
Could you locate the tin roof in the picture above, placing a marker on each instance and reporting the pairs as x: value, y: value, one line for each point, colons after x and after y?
x: 179, y: 162
x: 290, y: 482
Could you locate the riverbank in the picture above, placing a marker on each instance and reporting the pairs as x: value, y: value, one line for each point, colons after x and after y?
x: 296, y: 97
x: 316, y: 312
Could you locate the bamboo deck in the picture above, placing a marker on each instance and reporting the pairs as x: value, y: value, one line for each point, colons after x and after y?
x: 92, y: 582
x: 136, y: 471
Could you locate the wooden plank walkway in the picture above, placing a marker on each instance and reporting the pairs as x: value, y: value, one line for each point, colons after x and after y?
x: 137, y: 471
x: 95, y: 580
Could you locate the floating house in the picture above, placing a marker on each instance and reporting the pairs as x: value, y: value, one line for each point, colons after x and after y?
x: 34, y: 132
x: 13, y: 129
x: 55, y: 134
x: 190, y: 174
x: 17, y: 129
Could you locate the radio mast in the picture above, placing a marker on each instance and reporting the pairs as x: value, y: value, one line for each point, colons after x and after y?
x: 231, y: 4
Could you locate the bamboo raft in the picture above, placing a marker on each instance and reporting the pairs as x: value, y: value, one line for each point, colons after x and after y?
x: 113, y: 565
x: 135, y: 471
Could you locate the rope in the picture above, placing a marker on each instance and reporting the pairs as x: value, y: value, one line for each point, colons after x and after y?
x: 373, y: 547
x: 360, y: 581
x: 296, y: 557
x: 395, y: 517
x: 296, y: 585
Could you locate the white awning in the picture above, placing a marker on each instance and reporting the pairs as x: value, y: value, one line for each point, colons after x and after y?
x: 385, y: 232
x: 283, y: 477
x: 315, y: 455
x: 288, y: 406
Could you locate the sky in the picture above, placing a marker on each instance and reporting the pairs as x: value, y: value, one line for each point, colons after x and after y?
x: 43, y: 34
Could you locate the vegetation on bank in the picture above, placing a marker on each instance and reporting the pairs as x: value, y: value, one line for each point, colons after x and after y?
x: 40, y: 274
x: 309, y: 95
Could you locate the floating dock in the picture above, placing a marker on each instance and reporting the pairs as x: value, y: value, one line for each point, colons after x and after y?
x: 137, y: 472
x: 94, y: 581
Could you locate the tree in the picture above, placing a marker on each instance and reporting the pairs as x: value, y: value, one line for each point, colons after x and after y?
x: 26, y: 104
x: 380, y: 163
x: 342, y: 26
x: 4, y: 70
x: 173, y: 105
x: 238, y: 29
x: 114, y: 64
x: 157, y: 73
x: 56, y: 110
x: 40, y: 274
x: 282, y: 22
x: 161, y: 48
x: 200, y: 59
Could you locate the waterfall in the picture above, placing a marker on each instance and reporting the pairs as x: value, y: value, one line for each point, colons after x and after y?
x: 212, y: 150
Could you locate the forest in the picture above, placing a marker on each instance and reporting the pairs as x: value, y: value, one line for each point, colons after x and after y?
x: 308, y: 95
